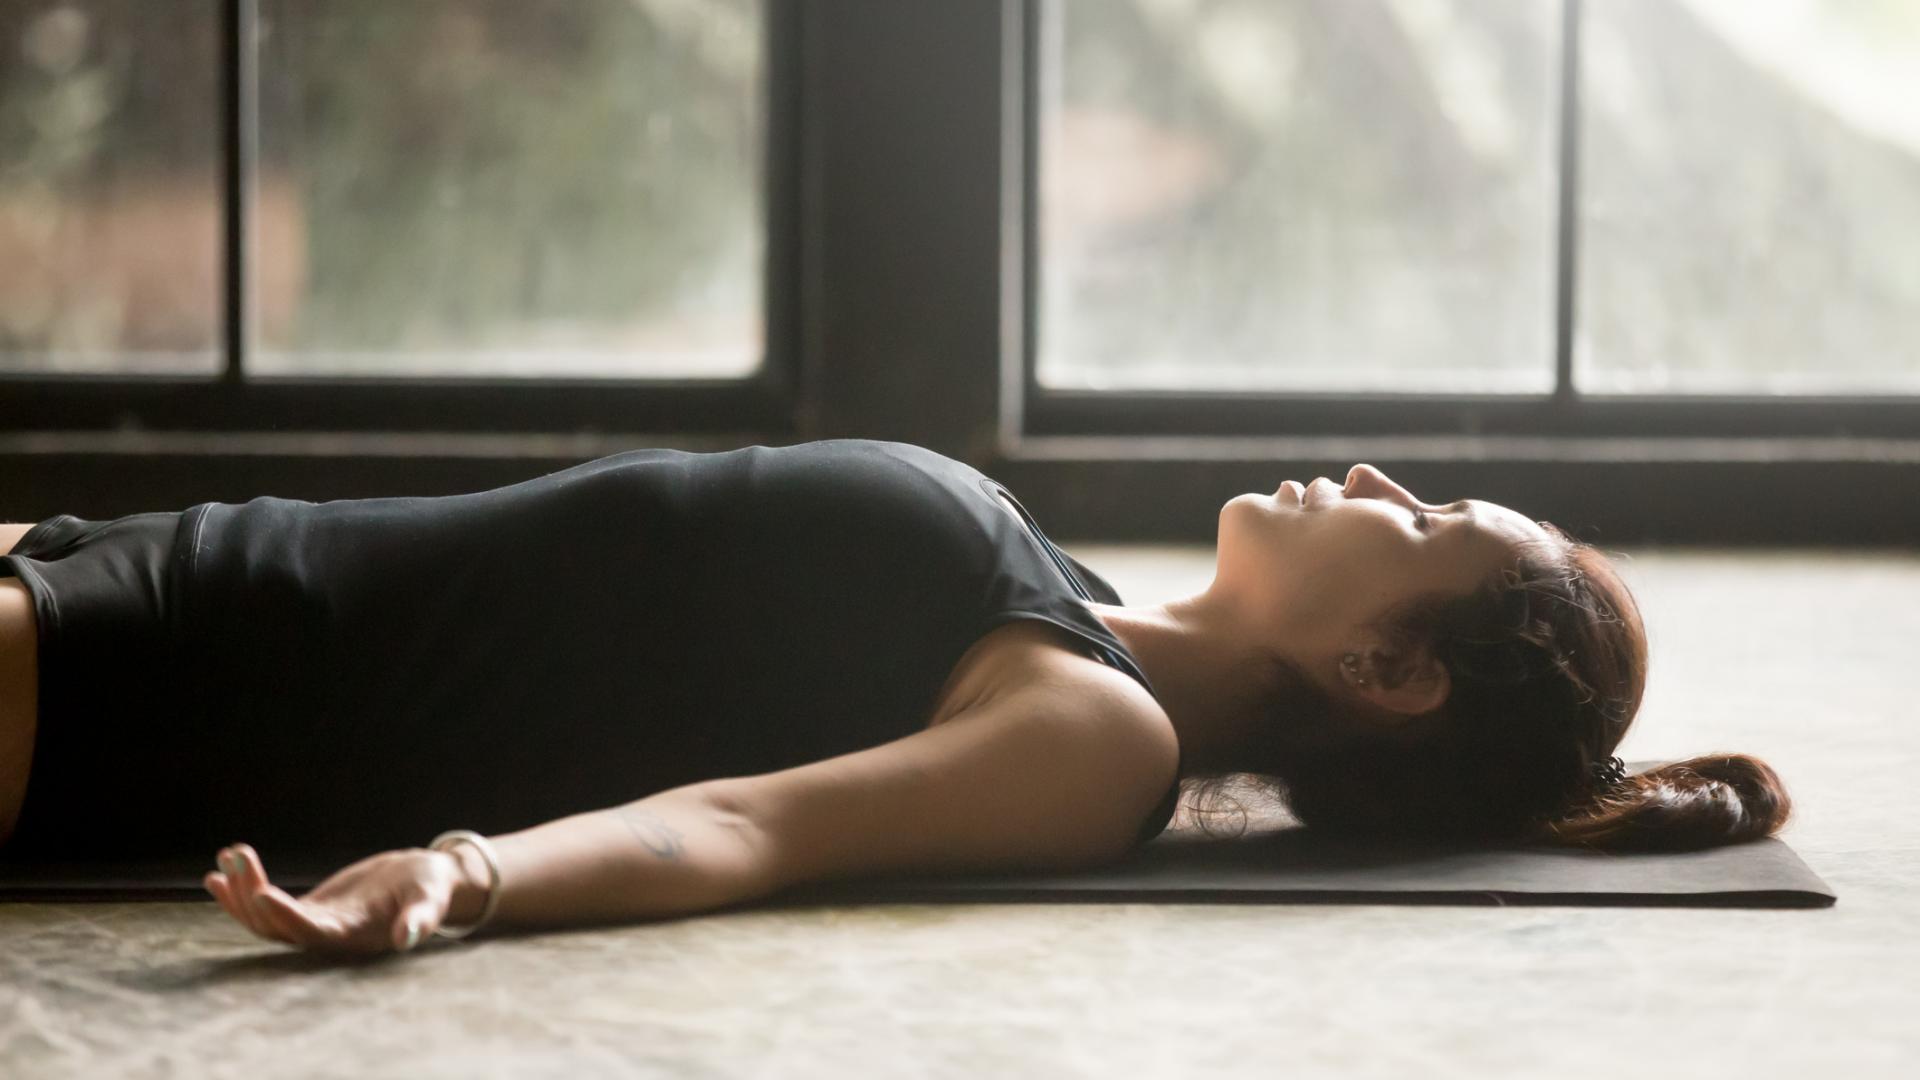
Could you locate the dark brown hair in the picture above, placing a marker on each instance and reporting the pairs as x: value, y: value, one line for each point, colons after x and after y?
x: 1548, y: 663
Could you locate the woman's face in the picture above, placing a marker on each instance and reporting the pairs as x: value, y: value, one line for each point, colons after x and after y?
x: 1317, y: 565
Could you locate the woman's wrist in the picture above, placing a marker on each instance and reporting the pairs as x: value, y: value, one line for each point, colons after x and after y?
x: 471, y: 882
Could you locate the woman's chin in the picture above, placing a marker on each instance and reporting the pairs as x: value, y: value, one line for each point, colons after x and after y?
x: 1256, y: 526
x: 1262, y: 518
x: 1253, y: 502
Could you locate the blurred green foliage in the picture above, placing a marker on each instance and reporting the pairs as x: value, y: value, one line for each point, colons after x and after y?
x: 465, y: 172
x: 511, y: 160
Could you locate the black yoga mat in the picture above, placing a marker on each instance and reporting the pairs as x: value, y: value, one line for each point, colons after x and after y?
x: 1289, y: 866
x: 1292, y: 867
x: 1271, y: 863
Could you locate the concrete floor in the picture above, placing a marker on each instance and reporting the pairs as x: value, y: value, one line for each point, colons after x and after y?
x: 1801, y: 658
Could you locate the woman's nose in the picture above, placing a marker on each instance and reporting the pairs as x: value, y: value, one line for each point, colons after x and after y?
x: 1366, y: 482
x: 1363, y: 480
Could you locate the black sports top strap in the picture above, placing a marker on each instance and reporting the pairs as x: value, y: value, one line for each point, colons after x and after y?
x: 1162, y: 814
x: 1060, y: 561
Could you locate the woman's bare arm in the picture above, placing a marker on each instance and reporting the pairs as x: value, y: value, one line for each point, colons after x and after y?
x: 672, y: 853
x: 1055, y: 774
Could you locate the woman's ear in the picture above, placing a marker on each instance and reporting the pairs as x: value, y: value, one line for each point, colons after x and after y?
x: 1404, y: 681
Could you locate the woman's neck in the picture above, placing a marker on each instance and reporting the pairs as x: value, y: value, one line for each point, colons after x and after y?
x: 1210, y: 681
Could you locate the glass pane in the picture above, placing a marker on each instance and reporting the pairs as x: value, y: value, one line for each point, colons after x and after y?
x: 1313, y: 195
x: 109, y: 186
x: 510, y: 187
x: 1751, y: 197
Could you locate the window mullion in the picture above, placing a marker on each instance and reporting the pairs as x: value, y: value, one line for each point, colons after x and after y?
x: 1568, y: 233
x: 239, y: 93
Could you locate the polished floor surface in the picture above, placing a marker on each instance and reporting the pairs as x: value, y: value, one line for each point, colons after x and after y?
x: 1806, y: 659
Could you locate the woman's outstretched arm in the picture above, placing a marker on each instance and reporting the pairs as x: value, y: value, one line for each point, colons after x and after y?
x: 1054, y: 774
x: 671, y: 853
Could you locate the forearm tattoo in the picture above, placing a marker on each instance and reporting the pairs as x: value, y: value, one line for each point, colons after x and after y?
x: 653, y: 833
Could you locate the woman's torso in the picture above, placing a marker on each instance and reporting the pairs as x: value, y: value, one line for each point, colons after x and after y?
x: 687, y: 615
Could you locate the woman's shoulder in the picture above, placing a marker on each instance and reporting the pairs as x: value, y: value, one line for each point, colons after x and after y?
x: 1042, y: 674
x: 1037, y: 659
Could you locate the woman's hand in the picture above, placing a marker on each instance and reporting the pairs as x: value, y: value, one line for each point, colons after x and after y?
x: 389, y: 901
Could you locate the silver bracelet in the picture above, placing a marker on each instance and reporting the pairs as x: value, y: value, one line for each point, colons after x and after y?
x: 467, y: 836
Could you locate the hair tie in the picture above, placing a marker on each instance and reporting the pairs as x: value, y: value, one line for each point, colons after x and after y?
x: 1609, y: 772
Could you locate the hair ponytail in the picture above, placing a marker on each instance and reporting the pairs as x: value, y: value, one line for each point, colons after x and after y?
x: 1686, y: 805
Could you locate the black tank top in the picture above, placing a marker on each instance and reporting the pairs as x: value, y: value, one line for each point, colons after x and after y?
x: 366, y: 672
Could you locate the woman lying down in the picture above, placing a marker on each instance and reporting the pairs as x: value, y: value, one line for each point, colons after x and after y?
x: 665, y: 682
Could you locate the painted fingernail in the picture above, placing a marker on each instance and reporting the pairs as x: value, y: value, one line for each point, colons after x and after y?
x: 413, y: 933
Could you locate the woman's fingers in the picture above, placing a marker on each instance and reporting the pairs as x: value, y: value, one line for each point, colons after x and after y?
x: 225, y: 890
x: 244, y: 874
x: 391, y: 901
x: 222, y: 888
x: 268, y: 904
x: 252, y: 872
x: 216, y: 883
x: 270, y: 911
x: 235, y: 868
x: 272, y: 914
x: 240, y: 890
x: 417, y: 921
x: 301, y: 926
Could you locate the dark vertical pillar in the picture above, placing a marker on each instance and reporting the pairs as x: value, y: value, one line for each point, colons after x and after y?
x: 902, y: 145
x: 238, y: 133
x: 1566, y: 264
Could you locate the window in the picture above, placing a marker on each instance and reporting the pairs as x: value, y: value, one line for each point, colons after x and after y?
x: 109, y: 187
x: 1088, y: 246
x: 473, y: 188
x: 1307, y: 196
x: 509, y: 187
x: 1751, y: 197
x: 1364, y: 196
